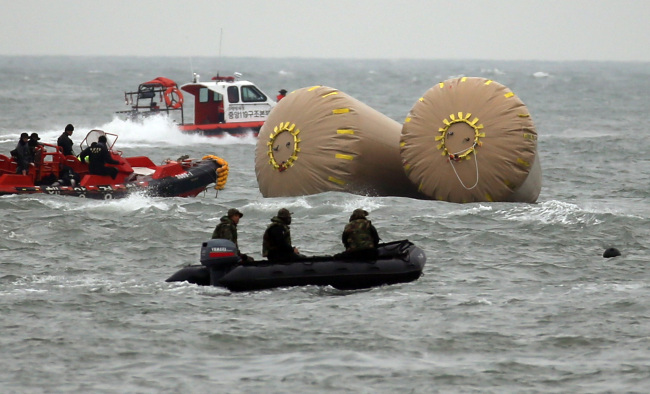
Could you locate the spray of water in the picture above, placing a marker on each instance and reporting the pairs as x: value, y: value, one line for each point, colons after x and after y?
x: 154, y: 131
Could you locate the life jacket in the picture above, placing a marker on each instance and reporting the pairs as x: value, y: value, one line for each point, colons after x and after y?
x: 226, y: 230
x: 267, y: 245
x: 358, y: 235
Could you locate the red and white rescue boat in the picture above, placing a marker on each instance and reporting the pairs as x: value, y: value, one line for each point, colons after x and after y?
x: 223, y: 105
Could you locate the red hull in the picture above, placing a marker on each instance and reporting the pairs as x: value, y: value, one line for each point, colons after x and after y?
x: 54, y: 173
x: 222, y: 129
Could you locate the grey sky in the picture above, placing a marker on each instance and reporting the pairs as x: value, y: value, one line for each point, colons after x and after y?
x: 423, y: 29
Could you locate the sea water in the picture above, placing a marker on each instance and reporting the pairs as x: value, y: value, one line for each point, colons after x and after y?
x: 514, y: 298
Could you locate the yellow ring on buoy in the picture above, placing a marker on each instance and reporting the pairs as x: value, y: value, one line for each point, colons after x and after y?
x: 462, y: 118
x: 290, y: 128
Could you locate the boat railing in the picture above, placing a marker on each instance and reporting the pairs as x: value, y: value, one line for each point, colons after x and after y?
x: 151, y: 100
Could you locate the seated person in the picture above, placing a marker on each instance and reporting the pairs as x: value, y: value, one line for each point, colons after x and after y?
x: 99, y: 155
x: 68, y: 177
x: 360, y: 237
x: 227, y: 229
x: 276, y: 244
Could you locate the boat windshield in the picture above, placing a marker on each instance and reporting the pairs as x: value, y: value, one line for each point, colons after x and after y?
x: 250, y: 94
x: 93, y: 136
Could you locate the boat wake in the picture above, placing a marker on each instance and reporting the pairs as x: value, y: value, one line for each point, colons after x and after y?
x: 160, y: 130
x: 154, y: 131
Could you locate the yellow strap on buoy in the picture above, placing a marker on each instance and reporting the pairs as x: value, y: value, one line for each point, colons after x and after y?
x: 336, y: 180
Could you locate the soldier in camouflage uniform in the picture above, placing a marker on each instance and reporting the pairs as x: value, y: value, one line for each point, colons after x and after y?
x: 360, y: 237
x: 227, y: 229
x: 276, y: 245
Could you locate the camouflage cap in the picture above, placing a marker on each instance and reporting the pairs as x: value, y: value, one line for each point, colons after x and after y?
x: 360, y: 212
x: 284, y: 213
x: 234, y: 211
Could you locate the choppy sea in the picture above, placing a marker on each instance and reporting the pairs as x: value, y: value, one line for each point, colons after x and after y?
x: 515, y: 298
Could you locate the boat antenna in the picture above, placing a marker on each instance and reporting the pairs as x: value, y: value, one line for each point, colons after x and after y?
x: 194, y: 75
x: 219, y: 60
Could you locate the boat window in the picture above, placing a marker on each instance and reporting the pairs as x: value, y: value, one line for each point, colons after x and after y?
x: 217, y: 96
x: 203, y: 95
x: 251, y: 94
x: 233, y: 94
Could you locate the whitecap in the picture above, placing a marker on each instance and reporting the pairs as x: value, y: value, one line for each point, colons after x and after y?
x: 162, y: 130
x: 551, y: 212
x: 470, y: 210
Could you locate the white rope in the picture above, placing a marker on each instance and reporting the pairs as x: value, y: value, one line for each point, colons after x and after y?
x: 451, y: 161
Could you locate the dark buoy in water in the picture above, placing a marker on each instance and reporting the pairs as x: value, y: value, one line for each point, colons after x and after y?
x: 611, y: 252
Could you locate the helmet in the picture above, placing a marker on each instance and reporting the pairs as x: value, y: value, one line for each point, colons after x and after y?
x: 358, y: 214
x: 234, y: 211
x: 284, y: 213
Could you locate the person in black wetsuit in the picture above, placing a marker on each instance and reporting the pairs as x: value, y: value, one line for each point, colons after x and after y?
x: 65, y: 142
x: 23, y: 155
x: 276, y: 244
x: 34, y: 145
x: 99, y: 155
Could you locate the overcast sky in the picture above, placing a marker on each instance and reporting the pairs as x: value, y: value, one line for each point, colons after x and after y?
x: 419, y: 29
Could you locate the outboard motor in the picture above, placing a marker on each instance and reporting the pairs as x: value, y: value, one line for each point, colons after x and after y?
x: 220, y: 256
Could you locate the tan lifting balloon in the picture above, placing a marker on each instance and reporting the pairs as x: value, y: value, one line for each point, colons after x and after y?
x: 319, y: 139
x: 471, y: 140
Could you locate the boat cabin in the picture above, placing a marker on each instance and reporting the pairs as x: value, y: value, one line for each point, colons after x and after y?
x: 228, y: 101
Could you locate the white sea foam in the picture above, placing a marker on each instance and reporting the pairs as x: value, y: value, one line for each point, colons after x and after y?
x: 132, y: 203
x: 551, y: 212
x: 473, y: 210
x: 160, y: 130
x: 492, y: 71
x: 150, y: 132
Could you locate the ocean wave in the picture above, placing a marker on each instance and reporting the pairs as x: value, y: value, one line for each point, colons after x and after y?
x: 551, y: 212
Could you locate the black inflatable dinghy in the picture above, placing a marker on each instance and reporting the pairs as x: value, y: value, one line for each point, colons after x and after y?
x: 397, y: 262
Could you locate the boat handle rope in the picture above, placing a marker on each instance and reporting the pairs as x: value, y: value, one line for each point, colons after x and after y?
x: 451, y: 161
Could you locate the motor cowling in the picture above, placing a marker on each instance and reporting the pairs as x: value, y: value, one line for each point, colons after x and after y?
x: 220, y: 256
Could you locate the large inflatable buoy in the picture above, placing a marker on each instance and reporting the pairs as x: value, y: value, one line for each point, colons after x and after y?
x: 471, y: 140
x: 319, y: 139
